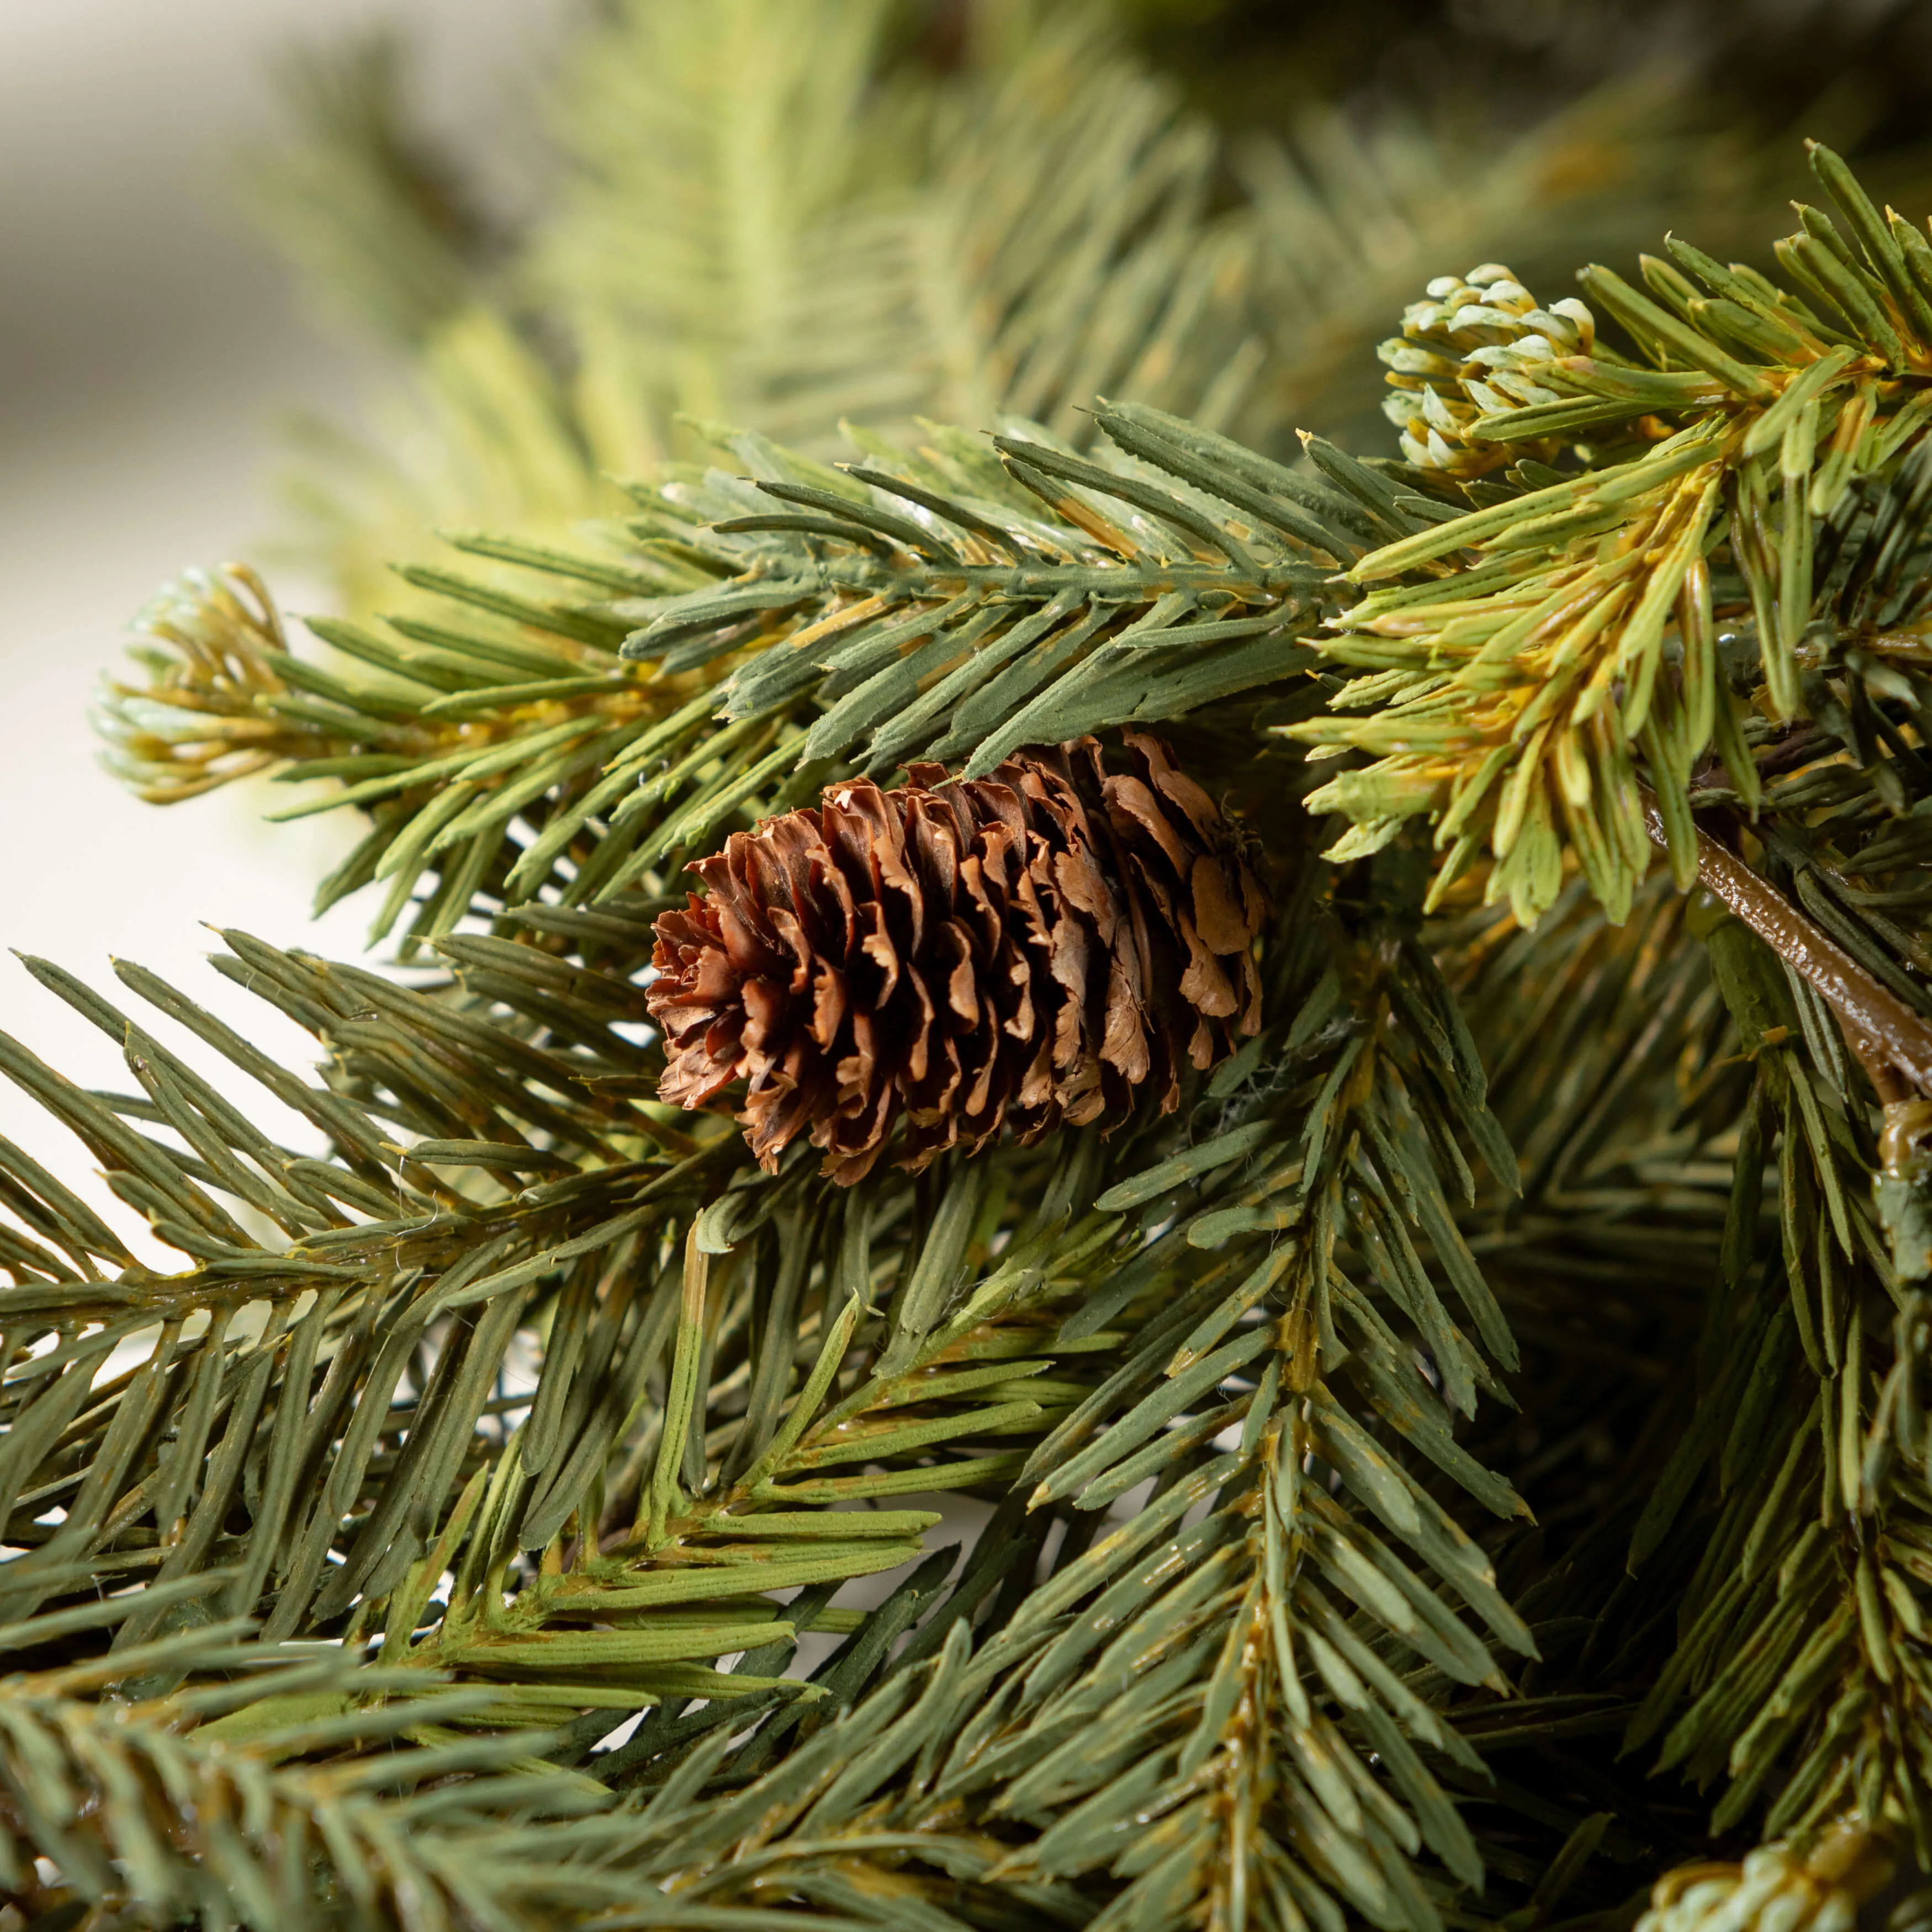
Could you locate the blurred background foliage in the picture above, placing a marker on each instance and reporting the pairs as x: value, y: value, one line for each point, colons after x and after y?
x: 781, y: 215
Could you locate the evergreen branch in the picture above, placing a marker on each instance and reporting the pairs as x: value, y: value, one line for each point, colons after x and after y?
x: 586, y: 1421
x: 1209, y: 1657
x: 960, y: 621
x: 1518, y: 686
x: 855, y: 272
x: 1867, y: 1009
x: 1797, y: 1673
x: 265, y: 1786
x: 386, y: 1290
x: 669, y: 1498
x: 965, y: 654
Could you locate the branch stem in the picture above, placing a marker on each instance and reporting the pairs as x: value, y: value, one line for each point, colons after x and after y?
x: 1869, y: 1011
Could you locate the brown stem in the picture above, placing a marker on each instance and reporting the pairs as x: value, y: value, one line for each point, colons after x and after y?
x: 1891, y: 1086
x: 1907, y: 1114
x: 1868, y: 1011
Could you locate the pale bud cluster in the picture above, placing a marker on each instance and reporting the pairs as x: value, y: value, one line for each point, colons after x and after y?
x: 1776, y: 1889
x: 1473, y: 348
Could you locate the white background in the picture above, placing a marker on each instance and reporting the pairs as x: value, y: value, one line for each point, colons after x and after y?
x: 150, y: 346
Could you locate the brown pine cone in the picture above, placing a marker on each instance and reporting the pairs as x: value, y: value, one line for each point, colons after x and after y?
x: 1011, y: 951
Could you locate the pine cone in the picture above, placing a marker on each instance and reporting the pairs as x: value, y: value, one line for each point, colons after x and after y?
x: 1847, y: 1865
x: 1479, y: 345
x: 1014, y: 951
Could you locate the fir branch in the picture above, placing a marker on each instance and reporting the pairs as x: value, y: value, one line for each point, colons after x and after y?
x: 979, y: 613
x: 264, y: 1786
x: 561, y: 1414
x: 665, y: 1488
x: 1520, y: 686
x: 1869, y: 1012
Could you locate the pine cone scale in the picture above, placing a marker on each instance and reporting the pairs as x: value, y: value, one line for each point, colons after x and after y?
x: 1220, y: 921
x: 973, y: 955
x: 829, y: 1005
x: 961, y: 982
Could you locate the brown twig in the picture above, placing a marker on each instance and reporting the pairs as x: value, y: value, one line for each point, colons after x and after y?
x: 1891, y: 1086
x: 1868, y: 1011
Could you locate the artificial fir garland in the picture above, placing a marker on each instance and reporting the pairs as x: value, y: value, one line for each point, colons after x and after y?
x: 1436, y: 1349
